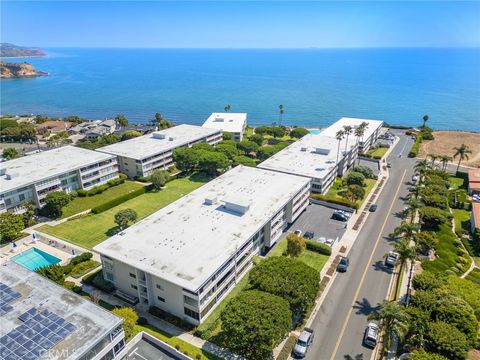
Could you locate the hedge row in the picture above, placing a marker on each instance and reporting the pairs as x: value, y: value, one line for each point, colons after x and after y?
x: 119, y: 200
x: 334, y: 200
x: 415, y: 147
x: 101, y: 188
x: 318, y: 247
x: 287, y: 348
x: 96, y: 279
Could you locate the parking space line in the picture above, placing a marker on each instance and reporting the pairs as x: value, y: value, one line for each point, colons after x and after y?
x: 362, y: 279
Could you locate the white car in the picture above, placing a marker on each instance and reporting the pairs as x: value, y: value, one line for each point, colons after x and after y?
x: 391, y: 259
x: 371, y: 335
x: 298, y: 232
x: 476, y: 197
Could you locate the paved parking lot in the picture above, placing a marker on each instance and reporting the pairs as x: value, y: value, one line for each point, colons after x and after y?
x: 371, y: 164
x: 318, y: 218
x: 145, y: 350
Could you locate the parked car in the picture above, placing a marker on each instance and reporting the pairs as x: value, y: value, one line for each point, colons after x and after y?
x: 414, y: 178
x: 371, y: 335
x: 343, y: 264
x: 309, y: 235
x: 303, y: 343
x: 389, y: 165
x: 298, y: 232
x: 476, y: 197
x: 373, y: 208
x: 339, y: 217
x: 391, y: 259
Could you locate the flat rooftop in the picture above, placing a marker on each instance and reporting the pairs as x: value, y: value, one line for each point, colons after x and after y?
x: 33, y: 168
x: 313, y: 156
x: 354, y: 123
x: 188, y: 240
x: 229, y: 122
x: 91, y: 322
x: 159, y: 141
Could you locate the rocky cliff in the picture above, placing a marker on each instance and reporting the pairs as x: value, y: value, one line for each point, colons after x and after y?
x: 18, y: 70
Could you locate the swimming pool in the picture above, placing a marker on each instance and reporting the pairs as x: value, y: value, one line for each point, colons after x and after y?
x: 314, y: 131
x: 34, y: 259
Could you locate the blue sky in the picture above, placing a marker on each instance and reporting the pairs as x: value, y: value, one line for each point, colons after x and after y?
x: 241, y: 24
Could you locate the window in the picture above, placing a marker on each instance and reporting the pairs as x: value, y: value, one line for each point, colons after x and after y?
x: 109, y: 276
x: 134, y: 286
x: 160, y: 298
x: 188, y: 300
x: 191, y: 313
x: 159, y: 287
x: 132, y: 275
x: 21, y: 197
x: 8, y: 202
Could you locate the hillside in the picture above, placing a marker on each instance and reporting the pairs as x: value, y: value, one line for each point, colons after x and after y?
x: 10, y: 50
x: 18, y: 70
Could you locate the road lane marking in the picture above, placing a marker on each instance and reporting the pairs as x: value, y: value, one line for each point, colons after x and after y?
x: 344, y: 327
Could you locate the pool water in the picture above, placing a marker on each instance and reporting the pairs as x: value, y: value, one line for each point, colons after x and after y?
x: 34, y: 259
x: 314, y: 131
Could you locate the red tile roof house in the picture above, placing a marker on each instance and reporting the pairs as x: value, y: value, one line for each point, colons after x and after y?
x: 475, y: 217
x: 474, y: 181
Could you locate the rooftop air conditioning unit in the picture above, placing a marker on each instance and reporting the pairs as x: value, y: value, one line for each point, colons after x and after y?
x: 3, y: 171
x: 211, y: 200
x: 158, y: 135
x: 171, y: 138
x: 303, y: 148
x: 12, y: 176
x: 322, y: 151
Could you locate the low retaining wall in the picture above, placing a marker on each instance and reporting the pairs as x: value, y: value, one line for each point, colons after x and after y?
x: 332, y: 205
x: 59, y: 244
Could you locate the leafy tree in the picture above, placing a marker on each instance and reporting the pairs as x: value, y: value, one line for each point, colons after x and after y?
x: 74, y: 119
x: 355, y: 192
x: 264, y: 152
x: 244, y: 160
x: 393, y: 320
x: 418, y: 322
x: 130, y: 319
x: 124, y: 217
x: 262, y: 130
x: 130, y: 134
x: 422, y: 167
x: 227, y: 135
x: 53, y: 272
x: 462, y: 152
x: 288, y: 278
x: 186, y: 159
x: 295, y: 245
x: 121, y: 120
x: 277, y: 132
x: 432, y: 217
x: 28, y: 212
x: 365, y: 171
x: 421, y: 354
x: 446, y: 340
x: 425, y: 119
x: 10, y: 153
x: 54, y: 202
x: 257, y: 138
x: 159, y: 178
x: 11, y: 225
x: 428, y: 281
x: 246, y: 146
x: 425, y: 241
x: 467, y: 290
x: 298, y: 132
x: 229, y: 150
x: 202, y: 146
x: 355, y: 178
x: 212, y: 162
x: 435, y: 200
x: 254, y: 322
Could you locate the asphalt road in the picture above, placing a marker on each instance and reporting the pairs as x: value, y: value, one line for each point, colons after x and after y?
x: 340, y: 323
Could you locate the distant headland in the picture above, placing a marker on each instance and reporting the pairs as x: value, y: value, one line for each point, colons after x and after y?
x: 11, y: 50
x: 18, y: 70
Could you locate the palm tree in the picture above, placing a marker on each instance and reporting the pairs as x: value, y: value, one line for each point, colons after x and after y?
x: 433, y: 157
x: 359, y: 131
x: 406, y: 230
x: 415, y: 190
x: 227, y: 108
x: 339, y: 136
x: 425, y: 119
x: 405, y: 251
x: 280, y: 117
x: 445, y: 159
x: 412, y: 206
x: 422, y: 166
x: 393, y: 320
x: 462, y: 152
x: 347, y: 129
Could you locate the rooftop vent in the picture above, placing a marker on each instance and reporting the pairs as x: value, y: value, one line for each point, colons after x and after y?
x: 237, y: 205
x: 12, y: 175
x: 219, y: 119
x: 3, y: 171
x: 303, y: 148
x: 322, y: 151
x: 211, y: 200
x: 159, y: 135
x: 171, y: 138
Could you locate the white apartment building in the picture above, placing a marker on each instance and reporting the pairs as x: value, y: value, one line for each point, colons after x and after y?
x: 320, y: 158
x: 234, y: 123
x: 142, y: 155
x: 371, y: 134
x: 32, y: 177
x: 186, y: 257
x: 43, y: 320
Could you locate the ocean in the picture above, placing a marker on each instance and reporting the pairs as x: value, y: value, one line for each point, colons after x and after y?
x: 316, y: 86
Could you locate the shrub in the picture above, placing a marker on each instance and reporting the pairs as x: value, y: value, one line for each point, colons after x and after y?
x: 82, y: 268
x: 159, y: 178
x: 298, y: 132
x: 295, y: 245
x: 415, y: 147
x: 446, y: 340
x: 255, y: 318
x: 334, y: 200
x: 243, y: 160
x: 124, y: 217
x: 130, y: 319
x: 423, y: 355
x: 70, y: 285
x: 97, y: 190
x: 11, y: 225
x: 54, y: 202
x: 52, y: 272
x: 318, y: 247
x: 118, y: 200
x: 355, y: 178
x: 161, y: 314
x: 81, y: 258
x: 96, y: 279
x: 432, y: 217
x: 142, y: 321
x: 365, y: 171
x: 288, y: 278
x: 82, y: 193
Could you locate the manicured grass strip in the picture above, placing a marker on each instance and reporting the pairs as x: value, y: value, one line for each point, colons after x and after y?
x: 88, y: 231
x: 80, y: 204
x: 462, y: 220
x: 456, y: 183
x: 474, y: 276
x: 332, y: 193
x: 183, y: 346
x: 378, y: 152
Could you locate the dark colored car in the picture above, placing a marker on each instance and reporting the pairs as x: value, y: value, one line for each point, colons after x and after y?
x: 373, y: 208
x: 340, y: 217
x: 343, y: 264
x: 309, y: 235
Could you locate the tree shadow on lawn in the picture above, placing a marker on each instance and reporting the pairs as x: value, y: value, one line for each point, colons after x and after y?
x: 364, y: 307
x: 113, y: 231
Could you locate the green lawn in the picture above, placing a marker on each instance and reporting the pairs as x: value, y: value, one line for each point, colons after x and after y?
x: 456, y: 183
x: 90, y: 230
x: 337, y: 186
x: 378, y: 151
x: 474, y: 276
x: 462, y: 220
x: 80, y: 204
x: 311, y: 258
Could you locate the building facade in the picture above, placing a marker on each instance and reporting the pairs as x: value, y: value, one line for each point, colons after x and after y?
x: 186, y: 257
x: 473, y: 181
x: 68, y: 168
x: 234, y: 123
x: 54, y: 323
x: 142, y: 155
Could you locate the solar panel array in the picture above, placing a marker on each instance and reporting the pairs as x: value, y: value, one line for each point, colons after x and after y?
x: 7, y: 295
x: 39, y: 332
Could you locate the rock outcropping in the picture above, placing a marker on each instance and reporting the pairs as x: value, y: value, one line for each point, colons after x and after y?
x: 18, y: 70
